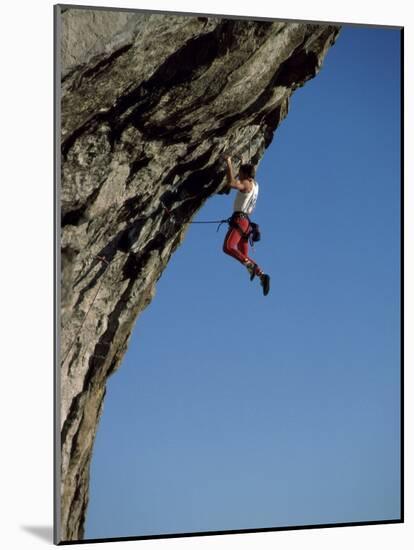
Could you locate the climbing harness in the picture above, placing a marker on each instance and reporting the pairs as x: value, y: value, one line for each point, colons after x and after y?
x: 253, y: 232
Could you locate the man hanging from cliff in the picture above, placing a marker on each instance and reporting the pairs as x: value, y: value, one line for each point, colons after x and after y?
x: 236, y: 243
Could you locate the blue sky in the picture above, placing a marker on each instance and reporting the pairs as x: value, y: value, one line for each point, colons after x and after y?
x: 237, y: 411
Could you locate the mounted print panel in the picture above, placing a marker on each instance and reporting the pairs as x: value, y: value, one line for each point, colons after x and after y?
x: 228, y: 282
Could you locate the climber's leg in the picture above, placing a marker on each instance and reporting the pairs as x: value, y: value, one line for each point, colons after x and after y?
x: 251, y: 265
x: 237, y: 246
x: 231, y: 245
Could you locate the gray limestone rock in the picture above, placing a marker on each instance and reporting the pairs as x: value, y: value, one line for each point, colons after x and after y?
x: 149, y: 104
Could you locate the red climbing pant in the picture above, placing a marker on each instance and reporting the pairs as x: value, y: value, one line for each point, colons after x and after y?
x: 236, y: 244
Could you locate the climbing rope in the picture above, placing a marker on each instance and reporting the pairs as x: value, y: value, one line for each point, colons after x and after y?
x: 192, y: 222
x: 219, y: 222
x: 211, y: 221
x: 103, y: 259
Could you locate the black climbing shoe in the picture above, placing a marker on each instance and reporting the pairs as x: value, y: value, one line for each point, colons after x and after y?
x: 251, y: 268
x: 265, y: 282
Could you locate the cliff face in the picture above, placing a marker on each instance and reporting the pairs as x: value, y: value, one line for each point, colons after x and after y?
x: 149, y: 103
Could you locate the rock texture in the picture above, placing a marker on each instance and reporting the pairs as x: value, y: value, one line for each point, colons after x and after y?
x: 149, y: 103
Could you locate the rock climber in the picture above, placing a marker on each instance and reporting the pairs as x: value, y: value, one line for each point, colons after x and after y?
x: 236, y: 242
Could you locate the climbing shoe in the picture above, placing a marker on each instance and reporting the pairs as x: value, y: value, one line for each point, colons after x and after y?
x: 251, y: 268
x: 265, y: 282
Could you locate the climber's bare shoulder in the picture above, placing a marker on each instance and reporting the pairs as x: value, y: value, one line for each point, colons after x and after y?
x: 243, y: 185
x: 246, y: 185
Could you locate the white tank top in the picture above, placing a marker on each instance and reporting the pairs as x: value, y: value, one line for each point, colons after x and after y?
x: 245, y: 202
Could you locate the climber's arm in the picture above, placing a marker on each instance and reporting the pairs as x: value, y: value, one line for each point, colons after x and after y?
x: 241, y: 185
